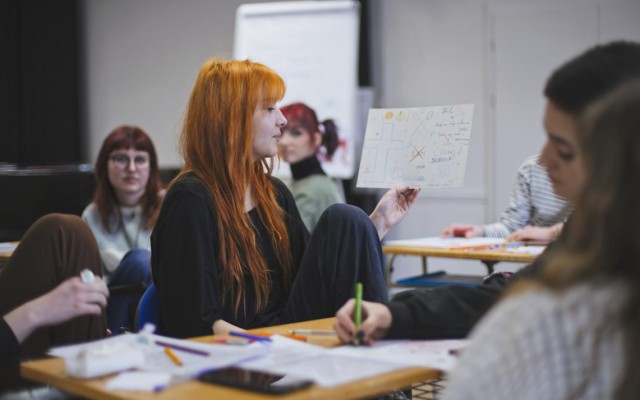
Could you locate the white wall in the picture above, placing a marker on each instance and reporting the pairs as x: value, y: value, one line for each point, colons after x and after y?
x: 143, y: 56
x: 142, y: 59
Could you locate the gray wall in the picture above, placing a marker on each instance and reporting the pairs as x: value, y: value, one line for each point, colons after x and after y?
x: 143, y: 56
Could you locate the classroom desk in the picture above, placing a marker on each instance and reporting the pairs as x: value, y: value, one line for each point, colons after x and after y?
x: 51, y: 372
x: 488, y: 257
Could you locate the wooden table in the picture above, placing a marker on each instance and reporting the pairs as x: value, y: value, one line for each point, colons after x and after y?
x: 488, y: 257
x: 51, y: 372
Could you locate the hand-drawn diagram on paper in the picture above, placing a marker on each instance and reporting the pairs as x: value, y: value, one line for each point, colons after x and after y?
x: 421, y: 147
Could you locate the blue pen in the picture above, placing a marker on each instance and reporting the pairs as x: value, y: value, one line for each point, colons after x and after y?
x: 504, y: 245
x: 250, y: 336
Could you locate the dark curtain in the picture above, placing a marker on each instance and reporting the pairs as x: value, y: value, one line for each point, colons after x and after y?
x: 40, y: 80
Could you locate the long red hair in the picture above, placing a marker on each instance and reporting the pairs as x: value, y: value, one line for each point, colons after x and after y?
x: 125, y: 137
x: 216, y: 143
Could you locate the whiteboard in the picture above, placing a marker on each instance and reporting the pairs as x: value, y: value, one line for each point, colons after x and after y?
x: 313, y: 45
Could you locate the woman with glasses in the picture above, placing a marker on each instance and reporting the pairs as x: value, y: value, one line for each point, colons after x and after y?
x: 128, y: 191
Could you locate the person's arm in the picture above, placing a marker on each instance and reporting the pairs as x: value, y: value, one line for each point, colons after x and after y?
x: 392, y: 208
x: 441, y: 313
x: 518, y: 212
x: 184, y: 261
x: 542, y: 233
x: 9, y: 345
x: 70, y: 299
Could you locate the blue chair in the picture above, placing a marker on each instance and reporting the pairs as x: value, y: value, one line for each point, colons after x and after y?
x: 148, y: 308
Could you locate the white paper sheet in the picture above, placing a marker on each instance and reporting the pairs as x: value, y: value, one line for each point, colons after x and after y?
x: 7, y: 247
x: 423, y: 147
x: 140, y: 381
x: 155, y: 359
x: 420, y: 353
x: 445, y: 243
x: 288, y: 356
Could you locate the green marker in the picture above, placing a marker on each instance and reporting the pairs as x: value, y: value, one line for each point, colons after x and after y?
x: 357, y: 314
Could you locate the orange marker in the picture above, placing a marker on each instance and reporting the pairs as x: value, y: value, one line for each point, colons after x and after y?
x: 173, y: 356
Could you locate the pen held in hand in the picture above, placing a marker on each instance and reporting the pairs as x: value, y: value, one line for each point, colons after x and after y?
x: 357, y: 316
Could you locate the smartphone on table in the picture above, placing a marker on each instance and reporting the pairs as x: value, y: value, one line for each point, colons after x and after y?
x: 263, y: 382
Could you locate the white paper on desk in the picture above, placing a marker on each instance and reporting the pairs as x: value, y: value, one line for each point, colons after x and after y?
x: 140, y: 381
x: 7, y: 247
x: 292, y: 357
x: 155, y: 360
x: 445, y: 243
x: 533, y: 250
x: 422, y: 147
x: 416, y: 353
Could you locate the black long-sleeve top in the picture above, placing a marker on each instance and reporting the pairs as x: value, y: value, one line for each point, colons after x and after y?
x: 187, y: 268
x: 451, y: 311
x: 9, y: 345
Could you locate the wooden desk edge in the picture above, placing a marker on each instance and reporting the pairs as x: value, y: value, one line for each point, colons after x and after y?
x: 488, y: 255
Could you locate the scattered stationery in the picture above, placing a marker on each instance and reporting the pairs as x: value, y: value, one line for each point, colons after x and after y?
x: 176, y: 360
x: 250, y: 336
x: 157, y: 369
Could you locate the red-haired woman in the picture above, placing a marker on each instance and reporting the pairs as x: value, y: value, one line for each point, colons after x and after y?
x: 128, y: 193
x: 302, y: 139
x: 229, y: 249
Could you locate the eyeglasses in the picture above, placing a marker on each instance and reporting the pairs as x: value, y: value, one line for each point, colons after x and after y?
x: 122, y: 161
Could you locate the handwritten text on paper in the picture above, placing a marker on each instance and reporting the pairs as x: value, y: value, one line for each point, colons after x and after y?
x: 421, y: 147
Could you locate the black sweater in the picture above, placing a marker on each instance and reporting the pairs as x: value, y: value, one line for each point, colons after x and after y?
x: 187, y: 267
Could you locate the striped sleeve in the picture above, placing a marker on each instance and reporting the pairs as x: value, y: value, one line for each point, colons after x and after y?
x: 532, y: 202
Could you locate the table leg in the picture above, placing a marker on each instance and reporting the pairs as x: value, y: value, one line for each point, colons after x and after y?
x: 389, y: 270
x: 424, y: 265
x: 489, y: 265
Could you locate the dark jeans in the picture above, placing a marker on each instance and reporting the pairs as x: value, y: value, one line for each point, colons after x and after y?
x: 344, y: 249
x: 134, y: 271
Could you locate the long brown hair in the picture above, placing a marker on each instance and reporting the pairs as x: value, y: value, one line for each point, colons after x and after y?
x: 216, y: 143
x: 602, y: 242
x: 125, y: 137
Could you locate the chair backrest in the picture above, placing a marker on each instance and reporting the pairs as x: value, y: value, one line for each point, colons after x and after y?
x: 148, y: 308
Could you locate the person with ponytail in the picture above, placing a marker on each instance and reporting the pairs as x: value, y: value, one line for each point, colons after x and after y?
x: 304, y: 139
x: 229, y: 249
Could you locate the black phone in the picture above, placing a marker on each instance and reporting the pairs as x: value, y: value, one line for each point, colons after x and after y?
x: 263, y: 382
